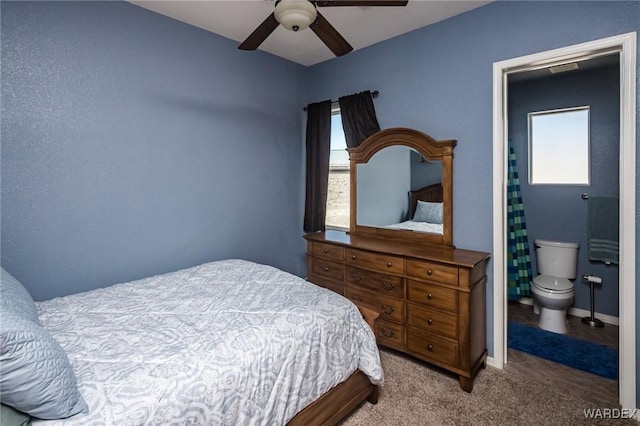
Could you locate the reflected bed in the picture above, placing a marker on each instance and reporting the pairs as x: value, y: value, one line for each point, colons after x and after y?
x: 426, y: 211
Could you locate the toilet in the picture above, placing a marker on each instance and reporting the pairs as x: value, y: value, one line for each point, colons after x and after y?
x: 552, y: 290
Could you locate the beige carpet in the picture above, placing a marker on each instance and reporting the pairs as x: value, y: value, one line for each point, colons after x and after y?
x: 416, y: 394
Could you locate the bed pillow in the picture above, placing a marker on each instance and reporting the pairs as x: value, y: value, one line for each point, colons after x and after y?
x: 428, y: 212
x: 12, y: 417
x: 15, y: 298
x: 35, y: 374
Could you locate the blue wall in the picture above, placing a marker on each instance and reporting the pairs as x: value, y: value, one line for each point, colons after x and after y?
x: 557, y: 212
x: 438, y: 80
x: 383, y: 187
x: 133, y: 144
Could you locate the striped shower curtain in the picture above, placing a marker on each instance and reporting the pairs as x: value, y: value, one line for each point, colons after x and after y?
x: 519, y: 273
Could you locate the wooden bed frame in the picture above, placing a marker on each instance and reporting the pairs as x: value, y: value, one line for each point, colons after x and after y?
x: 432, y: 193
x: 337, y: 403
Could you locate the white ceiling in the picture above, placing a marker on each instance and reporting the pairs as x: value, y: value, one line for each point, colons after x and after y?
x: 360, y: 26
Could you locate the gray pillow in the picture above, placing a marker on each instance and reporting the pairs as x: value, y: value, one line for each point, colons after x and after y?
x: 15, y: 298
x: 35, y: 374
x: 428, y: 212
x: 11, y: 417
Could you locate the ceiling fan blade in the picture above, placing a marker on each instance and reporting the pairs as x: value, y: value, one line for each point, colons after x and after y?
x: 325, y: 3
x: 330, y: 36
x: 260, y: 34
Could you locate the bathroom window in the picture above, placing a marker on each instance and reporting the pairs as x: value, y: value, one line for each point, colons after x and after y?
x: 559, y: 146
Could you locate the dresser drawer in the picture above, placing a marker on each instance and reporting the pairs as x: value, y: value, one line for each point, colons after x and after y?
x: 328, y: 270
x: 432, y: 295
x: 335, y: 286
x: 431, y: 346
x: 390, y: 334
x: 433, y: 320
x: 327, y: 251
x: 387, y: 285
x: 376, y: 261
x: 432, y: 272
x: 388, y: 307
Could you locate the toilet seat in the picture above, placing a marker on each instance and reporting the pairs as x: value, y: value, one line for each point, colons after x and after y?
x: 553, y: 285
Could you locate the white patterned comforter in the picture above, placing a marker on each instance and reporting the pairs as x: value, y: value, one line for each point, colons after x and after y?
x: 224, y: 343
x: 411, y: 225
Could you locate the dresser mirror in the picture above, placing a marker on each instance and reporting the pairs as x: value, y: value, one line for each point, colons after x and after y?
x: 401, y: 186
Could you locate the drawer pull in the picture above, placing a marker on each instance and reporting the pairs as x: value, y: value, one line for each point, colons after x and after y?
x: 326, y: 251
x: 326, y: 269
x: 356, y: 278
x: 387, y: 333
x: 387, y: 309
x: 429, y: 296
x: 429, y: 272
x: 388, y: 264
x: 353, y: 256
x: 388, y: 286
x: 356, y: 298
x: 429, y: 321
x: 430, y: 348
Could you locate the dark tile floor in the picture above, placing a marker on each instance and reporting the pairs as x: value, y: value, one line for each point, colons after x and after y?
x: 600, y: 391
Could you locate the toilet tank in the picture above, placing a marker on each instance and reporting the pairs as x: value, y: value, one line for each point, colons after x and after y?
x: 557, y: 258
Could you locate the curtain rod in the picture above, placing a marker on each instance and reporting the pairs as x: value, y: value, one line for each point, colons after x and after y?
x: 373, y: 95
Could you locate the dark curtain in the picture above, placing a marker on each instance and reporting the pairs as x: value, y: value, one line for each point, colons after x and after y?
x: 318, y: 149
x: 358, y: 117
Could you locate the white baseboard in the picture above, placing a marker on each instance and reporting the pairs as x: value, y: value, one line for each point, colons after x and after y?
x: 492, y: 363
x: 577, y: 312
x: 607, y: 319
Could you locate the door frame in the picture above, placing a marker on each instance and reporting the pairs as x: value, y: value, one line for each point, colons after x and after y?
x: 625, y: 46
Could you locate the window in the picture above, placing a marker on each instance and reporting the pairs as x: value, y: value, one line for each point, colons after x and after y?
x: 338, y: 195
x: 559, y: 146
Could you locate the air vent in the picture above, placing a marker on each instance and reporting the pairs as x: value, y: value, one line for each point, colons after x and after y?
x: 563, y: 68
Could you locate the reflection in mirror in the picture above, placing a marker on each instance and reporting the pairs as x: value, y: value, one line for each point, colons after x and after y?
x: 390, y: 184
x: 380, y: 192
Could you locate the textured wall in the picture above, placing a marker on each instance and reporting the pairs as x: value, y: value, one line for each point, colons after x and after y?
x: 383, y: 184
x: 557, y: 212
x: 438, y: 80
x: 118, y: 127
x: 133, y: 144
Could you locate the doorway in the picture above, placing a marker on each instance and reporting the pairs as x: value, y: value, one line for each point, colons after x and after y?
x: 625, y: 46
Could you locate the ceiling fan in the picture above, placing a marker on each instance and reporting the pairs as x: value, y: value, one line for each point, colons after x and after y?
x: 296, y: 15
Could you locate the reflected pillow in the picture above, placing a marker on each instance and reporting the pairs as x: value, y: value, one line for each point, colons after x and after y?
x: 35, y: 374
x: 15, y: 298
x: 428, y: 212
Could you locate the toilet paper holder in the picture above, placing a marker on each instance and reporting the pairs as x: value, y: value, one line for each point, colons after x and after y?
x: 592, y: 279
x: 592, y: 321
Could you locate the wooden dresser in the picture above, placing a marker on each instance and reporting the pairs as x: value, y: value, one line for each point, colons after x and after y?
x: 431, y: 299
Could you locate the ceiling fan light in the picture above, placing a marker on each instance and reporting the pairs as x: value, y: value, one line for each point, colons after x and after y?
x: 295, y: 15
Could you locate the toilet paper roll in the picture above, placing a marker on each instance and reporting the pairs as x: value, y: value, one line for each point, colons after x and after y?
x: 593, y: 279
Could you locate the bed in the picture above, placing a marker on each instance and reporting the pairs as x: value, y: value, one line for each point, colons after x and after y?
x: 426, y: 211
x: 228, y: 342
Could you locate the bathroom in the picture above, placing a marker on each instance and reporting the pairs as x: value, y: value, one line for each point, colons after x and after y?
x: 559, y: 212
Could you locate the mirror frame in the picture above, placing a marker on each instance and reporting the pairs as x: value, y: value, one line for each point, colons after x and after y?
x: 432, y: 150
